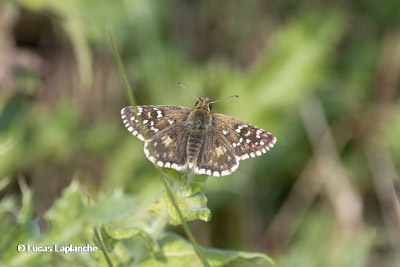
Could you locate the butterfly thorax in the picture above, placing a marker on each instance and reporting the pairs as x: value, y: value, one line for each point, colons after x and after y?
x: 200, y: 117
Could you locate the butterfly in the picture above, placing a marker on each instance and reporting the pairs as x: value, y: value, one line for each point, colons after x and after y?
x: 180, y: 138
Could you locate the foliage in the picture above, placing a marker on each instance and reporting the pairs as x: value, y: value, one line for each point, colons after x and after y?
x: 73, y: 218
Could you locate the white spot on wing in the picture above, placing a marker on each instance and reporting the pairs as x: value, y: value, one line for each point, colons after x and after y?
x: 226, y: 172
x: 199, y: 171
x: 178, y: 167
x: 245, y: 156
x: 146, y: 151
x: 160, y: 163
x: 235, y: 167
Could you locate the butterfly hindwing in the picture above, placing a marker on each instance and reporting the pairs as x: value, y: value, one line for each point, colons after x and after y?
x: 216, y: 157
x: 245, y: 139
x: 169, y: 148
x: 145, y: 122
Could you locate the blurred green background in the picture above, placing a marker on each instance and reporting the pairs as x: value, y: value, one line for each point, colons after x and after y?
x: 322, y: 76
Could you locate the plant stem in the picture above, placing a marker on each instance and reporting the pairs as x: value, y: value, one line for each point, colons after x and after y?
x: 102, y: 246
x: 120, y: 66
x: 188, y: 232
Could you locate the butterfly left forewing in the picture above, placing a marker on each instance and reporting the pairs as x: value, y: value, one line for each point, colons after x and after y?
x: 145, y: 122
x: 246, y: 140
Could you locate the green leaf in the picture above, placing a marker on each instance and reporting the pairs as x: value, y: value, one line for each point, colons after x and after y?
x: 69, y: 210
x: 193, y: 207
x: 178, y: 252
x: 172, y: 174
x: 187, y: 183
x: 26, y: 211
x: 139, y: 229
x: 111, y: 208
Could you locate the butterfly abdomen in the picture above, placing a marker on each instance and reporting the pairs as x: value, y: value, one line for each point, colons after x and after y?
x: 194, y: 144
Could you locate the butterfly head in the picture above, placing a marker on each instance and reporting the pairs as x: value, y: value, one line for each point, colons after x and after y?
x: 203, y: 103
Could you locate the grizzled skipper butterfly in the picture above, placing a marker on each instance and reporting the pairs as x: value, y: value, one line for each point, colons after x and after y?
x: 181, y: 138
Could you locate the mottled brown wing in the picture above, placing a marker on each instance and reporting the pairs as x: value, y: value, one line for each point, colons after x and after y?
x: 146, y: 122
x: 168, y: 150
x: 245, y: 139
x: 216, y: 157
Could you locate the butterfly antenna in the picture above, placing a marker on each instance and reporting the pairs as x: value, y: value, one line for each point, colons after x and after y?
x: 190, y: 93
x: 236, y: 96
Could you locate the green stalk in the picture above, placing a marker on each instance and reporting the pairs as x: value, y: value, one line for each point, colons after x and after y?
x: 102, y: 246
x: 185, y: 225
x: 120, y: 66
